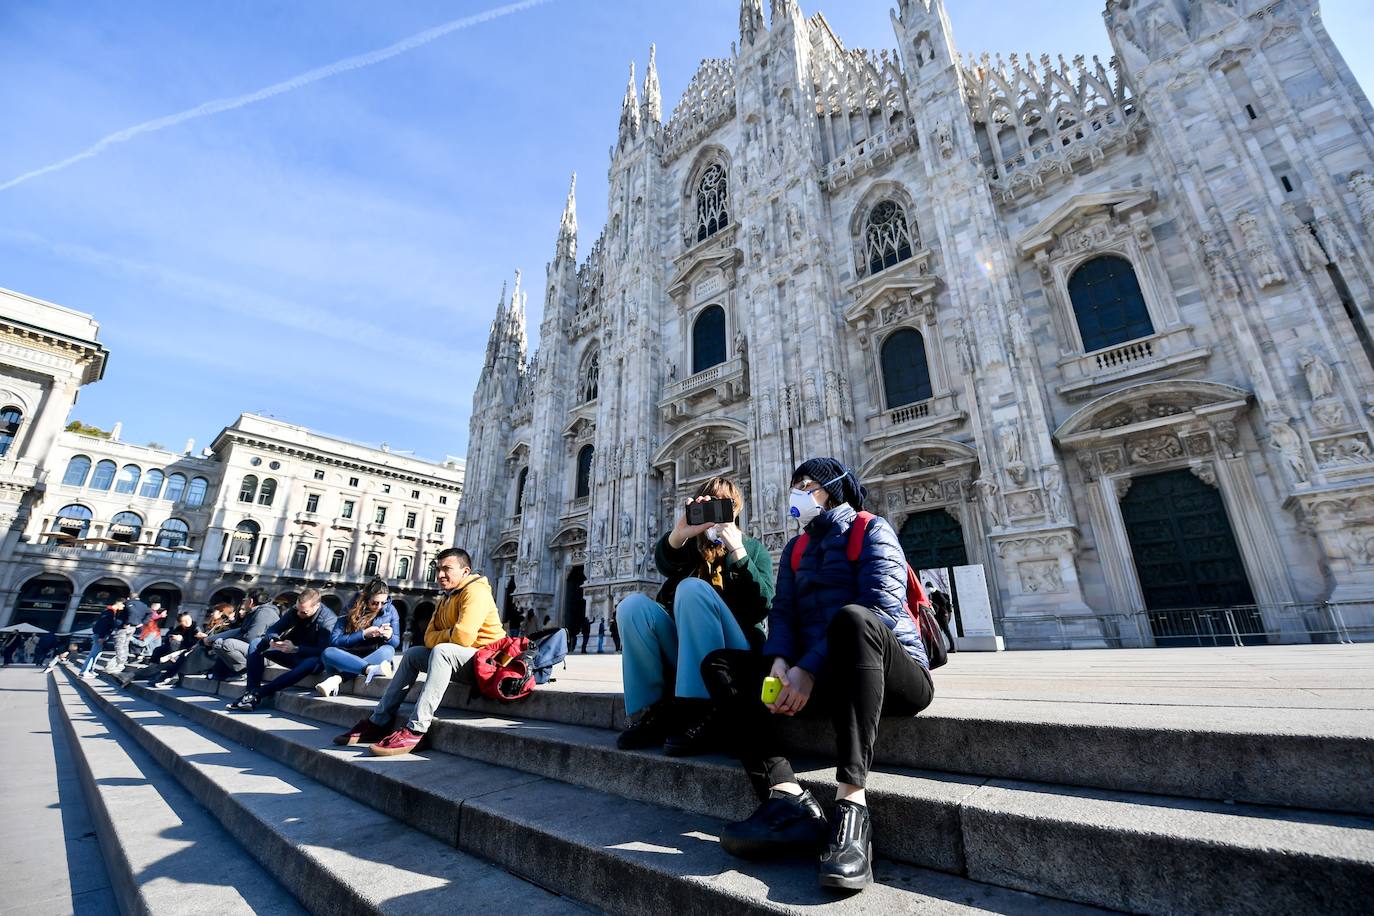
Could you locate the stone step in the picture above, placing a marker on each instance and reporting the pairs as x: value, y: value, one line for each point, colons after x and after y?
x: 1306, y: 759
x: 1092, y: 846
x: 164, y: 853
x: 332, y: 853
x: 613, y: 852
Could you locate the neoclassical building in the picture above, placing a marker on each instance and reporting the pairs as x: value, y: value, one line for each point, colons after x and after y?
x: 88, y: 518
x: 1101, y: 327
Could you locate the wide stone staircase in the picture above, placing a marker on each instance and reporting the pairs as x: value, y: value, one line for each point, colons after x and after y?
x: 531, y: 806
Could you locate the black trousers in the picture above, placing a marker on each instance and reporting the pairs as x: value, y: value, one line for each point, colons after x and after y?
x: 867, y: 675
x: 943, y: 619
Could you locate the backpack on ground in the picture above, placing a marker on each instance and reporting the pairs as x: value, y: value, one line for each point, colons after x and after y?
x: 916, y: 603
x: 510, y: 668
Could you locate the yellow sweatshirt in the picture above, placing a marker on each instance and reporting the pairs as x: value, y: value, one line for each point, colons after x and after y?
x: 467, y: 617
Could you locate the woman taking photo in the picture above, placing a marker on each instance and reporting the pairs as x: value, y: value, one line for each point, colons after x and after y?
x: 365, y: 640
x: 840, y: 642
x: 719, y: 587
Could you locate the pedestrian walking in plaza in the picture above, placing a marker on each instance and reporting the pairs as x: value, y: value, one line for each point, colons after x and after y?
x: 364, y: 640
x: 62, y: 656
x: 465, y: 620
x: 840, y: 642
x: 944, y: 610
x: 295, y: 641
x: 719, y: 587
x: 100, y: 634
x: 31, y: 649
x: 132, y: 617
x: 12, y: 644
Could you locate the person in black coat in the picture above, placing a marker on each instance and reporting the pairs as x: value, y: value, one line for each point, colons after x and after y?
x: 840, y: 641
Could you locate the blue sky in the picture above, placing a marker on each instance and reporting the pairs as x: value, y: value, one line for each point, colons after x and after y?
x: 333, y: 255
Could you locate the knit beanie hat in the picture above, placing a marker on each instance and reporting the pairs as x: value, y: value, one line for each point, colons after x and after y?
x: 825, y: 471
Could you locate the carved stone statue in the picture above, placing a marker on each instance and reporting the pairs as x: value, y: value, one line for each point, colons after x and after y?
x: 944, y: 138
x: 1223, y: 278
x: 1318, y: 373
x: 1289, y: 445
x: 1009, y: 440
x: 1021, y: 343
x: 1310, y: 253
x: 794, y: 228
x: 987, y: 489
x: 1362, y: 186
x: 1053, y: 481
x: 1263, y: 262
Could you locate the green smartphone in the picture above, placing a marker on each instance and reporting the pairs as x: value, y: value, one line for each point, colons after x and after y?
x: 771, y: 688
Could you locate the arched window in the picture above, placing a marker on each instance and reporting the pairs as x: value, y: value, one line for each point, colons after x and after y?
x: 77, y: 469
x: 370, y: 566
x: 173, y: 533
x: 589, y: 379
x: 243, y: 543
x: 432, y: 572
x: 906, y: 377
x: 128, y: 479
x: 152, y: 484
x: 520, y: 490
x: 584, y: 473
x: 195, y: 496
x: 10, y: 418
x: 299, y: 555
x: 1108, y: 304
x: 403, y: 568
x: 248, y: 490
x: 268, y: 492
x: 126, y: 527
x: 176, y: 487
x: 887, y: 237
x: 713, y: 203
x: 104, y: 475
x: 708, y: 339
x: 73, y: 520
x: 336, y: 561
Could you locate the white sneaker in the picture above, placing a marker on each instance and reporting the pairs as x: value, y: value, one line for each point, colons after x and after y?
x: 329, y: 687
x: 384, y: 670
x: 89, y: 676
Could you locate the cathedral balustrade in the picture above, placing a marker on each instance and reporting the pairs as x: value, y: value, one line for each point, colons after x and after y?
x: 940, y: 412
x: 868, y: 154
x: 577, y: 506
x: 1089, y: 373
x: 1089, y: 142
x: 721, y: 384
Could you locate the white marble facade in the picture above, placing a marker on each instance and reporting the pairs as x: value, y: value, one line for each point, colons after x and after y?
x: 824, y: 203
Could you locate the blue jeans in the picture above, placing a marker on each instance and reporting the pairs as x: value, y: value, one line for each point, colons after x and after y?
x: 301, y: 666
x: 97, y: 645
x: 659, y: 648
x: 341, y: 661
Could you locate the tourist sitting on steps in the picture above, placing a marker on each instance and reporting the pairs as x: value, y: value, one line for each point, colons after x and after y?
x: 179, y: 639
x: 196, y: 659
x: 230, y: 647
x: 296, y: 642
x: 840, y: 641
x: 719, y: 586
x: 364, y: 641
x: 465, y: 620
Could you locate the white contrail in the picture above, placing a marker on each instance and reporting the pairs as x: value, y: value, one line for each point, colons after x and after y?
x: 356, y: 62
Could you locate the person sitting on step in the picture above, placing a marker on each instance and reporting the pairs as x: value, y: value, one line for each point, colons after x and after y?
x: 364, y: 640
x: 196, y: 657
x: 840, y: 641
x: 295, y: 641
x: 232, y: 647
x: 465, y: 620
x: 719, y: 587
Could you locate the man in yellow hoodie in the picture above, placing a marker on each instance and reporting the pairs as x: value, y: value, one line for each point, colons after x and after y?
x: 465, y: 620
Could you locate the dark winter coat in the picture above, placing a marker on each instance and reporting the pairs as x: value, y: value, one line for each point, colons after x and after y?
x: 747, y: 582
x: 356, y: 643
x: 136, y: 614
x: 254, y: 626
x: 104, y: 625
x: 311, y: 637
x: 825, y: 581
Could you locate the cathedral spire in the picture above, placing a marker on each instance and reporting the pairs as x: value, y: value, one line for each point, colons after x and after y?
x: 750, y: 20
x: 653, y: 99
x: 513, y: 333
x: 629, y: 112
x: 567, y: 229
x: 497, y: 325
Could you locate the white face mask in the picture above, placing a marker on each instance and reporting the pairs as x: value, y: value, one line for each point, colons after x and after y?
x: 803, y: 507
x: 713, y: 534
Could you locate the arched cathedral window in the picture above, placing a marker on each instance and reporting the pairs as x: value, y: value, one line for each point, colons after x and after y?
x: 713, y: 205
x: 520, y: 490
x: 888, y: 238
x: 1107, y: 303
x: 584, y: 473
x: 906, y: 374
x: 589, y: 379
x: 10, y: 418
x: 708, y: 339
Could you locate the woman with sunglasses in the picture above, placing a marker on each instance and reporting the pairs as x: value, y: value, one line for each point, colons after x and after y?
x: 364, y: 642
x: 840, y: 642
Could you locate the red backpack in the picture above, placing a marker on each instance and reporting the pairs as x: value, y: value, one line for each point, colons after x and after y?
x: 916, y: 603
x: 504, y: 670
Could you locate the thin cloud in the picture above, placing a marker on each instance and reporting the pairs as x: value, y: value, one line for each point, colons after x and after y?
x: 218, y: 106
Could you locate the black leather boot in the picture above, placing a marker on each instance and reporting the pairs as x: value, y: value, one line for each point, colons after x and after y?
x: 652, y: 727
x: 847, y: 862
x: 784, y: 825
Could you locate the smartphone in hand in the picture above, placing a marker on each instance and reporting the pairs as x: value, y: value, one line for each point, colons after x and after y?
x: 711, y: 511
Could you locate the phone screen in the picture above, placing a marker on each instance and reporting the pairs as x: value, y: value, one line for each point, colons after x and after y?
x: 712, y: 511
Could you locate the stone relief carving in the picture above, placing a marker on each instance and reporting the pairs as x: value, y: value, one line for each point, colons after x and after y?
x: 1289, y: 446
x: 1263, y: 262
x: 1345, y: 452
x: 1207, y: 473
x: 1329, y: 414
x: 711, y: 455
x: 1156, y: 448
x: 1040, y: 576
x: 1122, y: 486
x: 1023, y: 503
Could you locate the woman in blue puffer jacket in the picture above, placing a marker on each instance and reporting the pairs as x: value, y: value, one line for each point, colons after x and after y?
x: 840, y: 641
x: 364, y: 640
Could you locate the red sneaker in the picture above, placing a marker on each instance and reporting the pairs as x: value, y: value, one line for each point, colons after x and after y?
x: 365, y: 732
x: 401, y: 741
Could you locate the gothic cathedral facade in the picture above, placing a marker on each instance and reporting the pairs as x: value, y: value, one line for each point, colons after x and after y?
x: 1103, y: 328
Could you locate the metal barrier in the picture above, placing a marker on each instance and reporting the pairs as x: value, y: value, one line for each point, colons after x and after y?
x: 1241, y: 625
